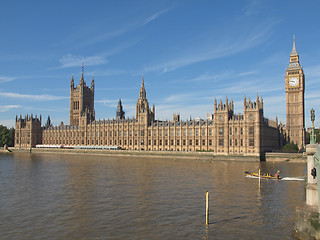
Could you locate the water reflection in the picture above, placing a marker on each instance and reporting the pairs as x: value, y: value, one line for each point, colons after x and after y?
x: 97, y: 197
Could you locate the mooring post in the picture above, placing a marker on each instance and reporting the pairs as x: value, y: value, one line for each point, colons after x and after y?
x: 259, y: 177
x: 207, y: 208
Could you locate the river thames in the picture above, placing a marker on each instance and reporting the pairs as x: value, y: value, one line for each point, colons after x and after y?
x: 53, y: 196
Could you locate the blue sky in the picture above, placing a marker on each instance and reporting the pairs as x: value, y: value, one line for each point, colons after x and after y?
x: 188, y: 51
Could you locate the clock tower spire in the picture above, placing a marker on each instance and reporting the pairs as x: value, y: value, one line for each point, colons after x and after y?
x: 295, y: 88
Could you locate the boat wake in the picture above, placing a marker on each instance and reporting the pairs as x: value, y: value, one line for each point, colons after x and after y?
x: 249, y: 176
x: 293, y: 179
x: 282, y: 179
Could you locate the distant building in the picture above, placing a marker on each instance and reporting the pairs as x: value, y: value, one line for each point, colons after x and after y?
x: 120, y: 114
x: 224, y: 132
x: 309, y: 130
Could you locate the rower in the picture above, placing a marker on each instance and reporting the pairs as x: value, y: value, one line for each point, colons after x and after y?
x: 277, y: 174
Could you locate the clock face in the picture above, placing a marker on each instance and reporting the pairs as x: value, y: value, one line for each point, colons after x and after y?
x: 293, y: 81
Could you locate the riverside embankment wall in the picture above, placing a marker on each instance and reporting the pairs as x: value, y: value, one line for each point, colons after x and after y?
x: 293, y: 157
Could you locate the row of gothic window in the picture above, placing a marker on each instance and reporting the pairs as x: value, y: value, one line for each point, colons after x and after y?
x: 172, y: 133
x: 235, y: 131
x: 235, y: 142
x: 110, y: 142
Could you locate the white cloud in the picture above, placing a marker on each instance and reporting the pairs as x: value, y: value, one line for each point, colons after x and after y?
x: 120, y: 30
x: 8, y: 123
x: 220, y: 76
x: 191, y: 58
x: 42, y: 97
x: 6, y: 79
x: 253, y: 7
x: 214, y: 49
x: 6, y: 108
x: 70, y: 60
x: 244, y: 74
x: 152, y: 17
x: 108, y: 72
x: 108, y: 103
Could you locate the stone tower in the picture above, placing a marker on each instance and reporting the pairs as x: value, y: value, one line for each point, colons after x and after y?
x: 223, y: 112
x: 176, y: 117
x: 253, y: 116
x: 295, y: 87
x: 143, y: 113
x: 144, y: 116
x: 120, y: 114
x: 81, y: 102
x: 27, y: 131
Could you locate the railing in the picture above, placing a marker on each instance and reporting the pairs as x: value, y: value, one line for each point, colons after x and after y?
x: 316, y: 158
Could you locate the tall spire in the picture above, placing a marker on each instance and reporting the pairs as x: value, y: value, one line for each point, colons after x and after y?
x: 72, y: 81
x: 294, y: 57
x: 82, y: 79
x: 142, y: 83
x: 142, y: 89
x: 92, y: 82
x: 294, y: 50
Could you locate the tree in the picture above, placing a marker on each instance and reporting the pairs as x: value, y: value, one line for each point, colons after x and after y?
x: 290, y: 147
x: 11, y: 137
x: 316, y: 133
x: 308, y: 138
x: 6, y: 136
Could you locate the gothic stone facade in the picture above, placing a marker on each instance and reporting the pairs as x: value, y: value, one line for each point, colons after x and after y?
x: 28, y: 131
x: 246, y: 134
x: 81, y: 102
x: 226, y: 133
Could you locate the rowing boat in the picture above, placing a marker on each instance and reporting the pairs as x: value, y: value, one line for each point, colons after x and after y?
x: 267, y: 175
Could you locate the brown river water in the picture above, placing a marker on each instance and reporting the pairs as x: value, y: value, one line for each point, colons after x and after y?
x: 52, y: 196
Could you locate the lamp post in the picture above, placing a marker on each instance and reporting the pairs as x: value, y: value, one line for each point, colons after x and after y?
x: 313, y: 117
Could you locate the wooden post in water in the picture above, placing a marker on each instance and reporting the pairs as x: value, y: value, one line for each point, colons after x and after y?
x: 259, y: 177
x: 207, y: 208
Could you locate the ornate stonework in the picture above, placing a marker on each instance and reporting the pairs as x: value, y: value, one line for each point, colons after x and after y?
x: 246, y: 134
x: 295, y: 88
x: 27, y: 131
x: 224, y: 133
x: 81, y: 103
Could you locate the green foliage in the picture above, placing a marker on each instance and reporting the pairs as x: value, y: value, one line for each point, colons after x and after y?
x: 6, y: 136
x: 316, y: 133
x: 308, y: 138
x: 290, y: 147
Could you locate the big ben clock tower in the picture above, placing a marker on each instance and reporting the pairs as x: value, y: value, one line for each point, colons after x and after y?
x: 294, y: 84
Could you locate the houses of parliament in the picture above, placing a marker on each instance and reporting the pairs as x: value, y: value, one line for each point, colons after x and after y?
x: 223, y: 133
